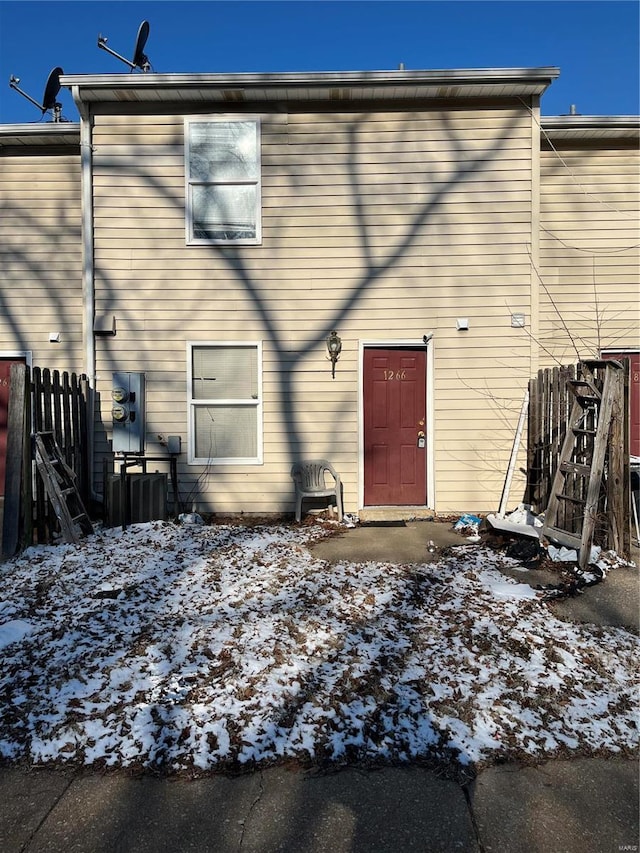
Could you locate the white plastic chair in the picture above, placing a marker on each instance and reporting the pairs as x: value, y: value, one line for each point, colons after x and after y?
x: 309, y: 477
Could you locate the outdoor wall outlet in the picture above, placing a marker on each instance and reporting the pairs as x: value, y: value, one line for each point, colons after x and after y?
x: 462, y: 324
x: 54, y: 337
x: 174, y: 444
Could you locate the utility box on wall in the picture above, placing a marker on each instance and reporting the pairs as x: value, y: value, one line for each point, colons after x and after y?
x: 127, y: 393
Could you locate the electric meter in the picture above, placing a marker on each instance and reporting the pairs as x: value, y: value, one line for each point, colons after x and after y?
x: 127, y: 412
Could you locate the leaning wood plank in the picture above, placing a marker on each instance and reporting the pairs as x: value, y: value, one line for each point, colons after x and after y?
x: 54, y: 490
x: 13, y: 477
x: 597, y: 465
x: 553, y: 509
x: 617, y: 495
x: 60, y: 483
x: 626, y: 461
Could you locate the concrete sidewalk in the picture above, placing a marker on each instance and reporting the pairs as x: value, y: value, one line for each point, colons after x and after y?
x: 579, y: 806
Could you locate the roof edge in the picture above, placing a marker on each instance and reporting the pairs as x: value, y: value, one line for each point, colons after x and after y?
x: 69, y: 128
x: 544, y: 75
x: 578, y: 122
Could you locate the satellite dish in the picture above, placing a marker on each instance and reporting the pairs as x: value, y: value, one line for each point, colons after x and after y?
x: 51, y: 90
x: 140, y: 60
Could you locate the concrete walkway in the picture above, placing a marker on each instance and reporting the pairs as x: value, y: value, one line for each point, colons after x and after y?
x: 577, y: 806
x: 580, y: 806
x: 614, y: 602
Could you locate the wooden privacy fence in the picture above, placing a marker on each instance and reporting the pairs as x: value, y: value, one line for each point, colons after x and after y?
x: 41, y: 400
x: 550, y: 405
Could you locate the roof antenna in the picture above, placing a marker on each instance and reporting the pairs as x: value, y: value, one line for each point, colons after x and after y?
x: 140, y: 60
x: 51, y: 90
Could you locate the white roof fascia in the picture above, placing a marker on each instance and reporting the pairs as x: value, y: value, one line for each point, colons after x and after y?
x: 96, y: 86
x: 29, y: 135
x: 313, y: 78
x: 590, y: 127
x: 577, y: 121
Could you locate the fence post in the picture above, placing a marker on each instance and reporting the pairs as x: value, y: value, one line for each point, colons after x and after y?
x: 618, y: 492
x: 18, y: 435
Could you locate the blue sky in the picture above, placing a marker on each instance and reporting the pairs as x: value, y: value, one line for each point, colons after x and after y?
x: 595, y: 44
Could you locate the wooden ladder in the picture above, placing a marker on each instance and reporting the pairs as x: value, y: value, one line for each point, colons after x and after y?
x: 62, y: 491
x: 572, y: 511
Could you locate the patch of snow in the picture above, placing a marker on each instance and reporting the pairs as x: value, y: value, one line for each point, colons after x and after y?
x: 189, y: 646
x: 14, y: 631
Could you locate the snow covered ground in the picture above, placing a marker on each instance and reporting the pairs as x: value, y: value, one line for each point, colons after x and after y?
x: 189, y: 647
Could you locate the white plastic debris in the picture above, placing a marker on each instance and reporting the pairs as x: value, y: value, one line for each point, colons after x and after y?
x: 570, y: 555
x: 190, y: 518
x: 562, y: 555
x: 523, y: 514
x: 521, y: 521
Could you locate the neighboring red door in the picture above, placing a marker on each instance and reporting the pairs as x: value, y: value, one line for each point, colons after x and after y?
x: 395, y: 454
x: 634, y: 397
x: 5, y: 368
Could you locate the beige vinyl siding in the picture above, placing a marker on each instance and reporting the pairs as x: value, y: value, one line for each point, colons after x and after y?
x: 41, y: 256
x: 383, y: 226
x: 589, y: 251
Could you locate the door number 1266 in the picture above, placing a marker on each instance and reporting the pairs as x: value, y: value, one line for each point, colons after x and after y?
x: 394, y: 374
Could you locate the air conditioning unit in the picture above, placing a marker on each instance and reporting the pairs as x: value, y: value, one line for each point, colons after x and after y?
x: 148, y: 498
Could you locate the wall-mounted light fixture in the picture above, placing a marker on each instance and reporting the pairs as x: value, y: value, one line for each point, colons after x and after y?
x: 334, y: 345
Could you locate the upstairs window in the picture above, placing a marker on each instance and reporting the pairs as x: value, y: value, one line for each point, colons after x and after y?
x: 223, y: 181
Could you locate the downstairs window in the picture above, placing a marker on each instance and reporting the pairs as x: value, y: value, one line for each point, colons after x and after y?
x: 225, y: 403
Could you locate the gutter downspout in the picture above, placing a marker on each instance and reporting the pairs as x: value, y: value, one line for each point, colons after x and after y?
x: 88, y: 270
x: 536, y: 164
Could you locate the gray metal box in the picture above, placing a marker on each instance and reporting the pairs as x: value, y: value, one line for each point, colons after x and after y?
x: 127, y: 393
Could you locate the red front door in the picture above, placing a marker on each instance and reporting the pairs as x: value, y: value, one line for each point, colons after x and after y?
x: 395, y: 467
x: 5, y: 369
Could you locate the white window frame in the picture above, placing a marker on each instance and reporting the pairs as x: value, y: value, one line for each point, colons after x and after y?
x: 192, y: 403
x: 191, y: 240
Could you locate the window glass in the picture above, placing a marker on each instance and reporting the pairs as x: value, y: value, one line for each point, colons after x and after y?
x: 224, y: 403
x: 223, y: 151
x: 226, y: 432
x: 225, y: 373
x: 223, y: 181
x: 224, y: 212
